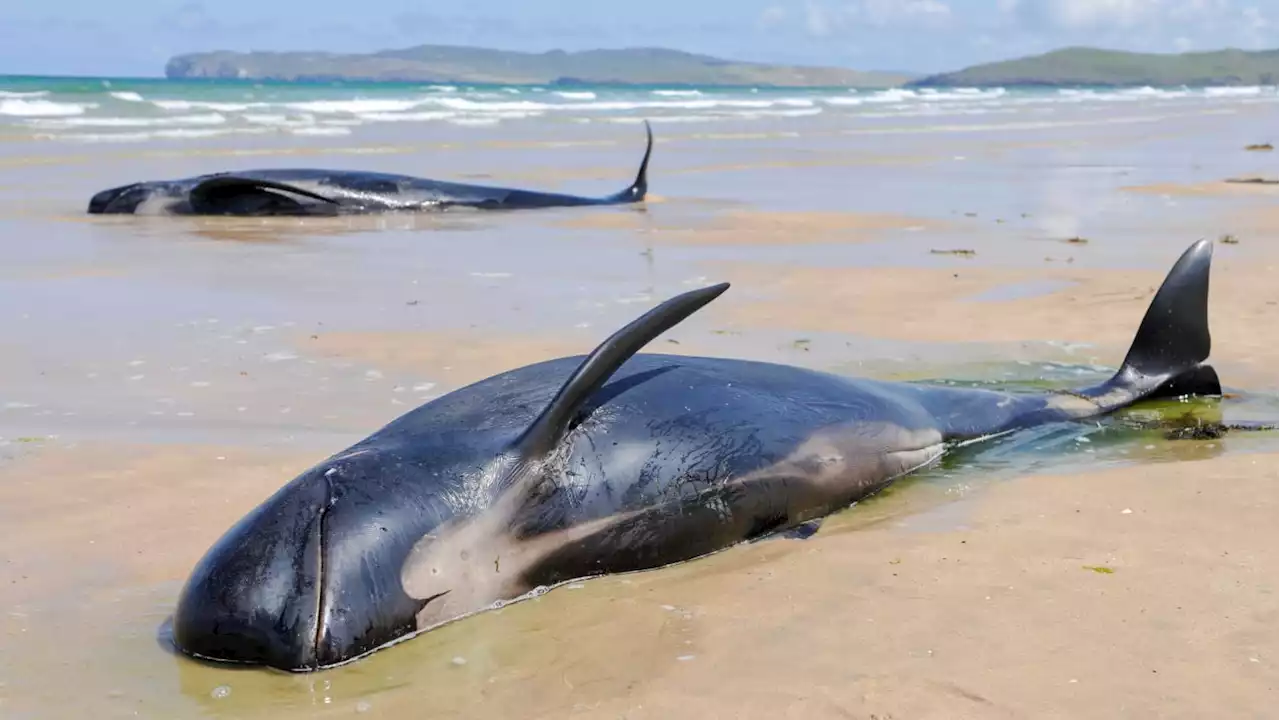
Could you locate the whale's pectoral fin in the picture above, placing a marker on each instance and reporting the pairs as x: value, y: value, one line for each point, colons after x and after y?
x: 235, y: 195
x: 546, y: 431
x: 1165, y: 359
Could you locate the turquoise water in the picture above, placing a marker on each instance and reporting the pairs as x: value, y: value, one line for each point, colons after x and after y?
x: 143, y: 109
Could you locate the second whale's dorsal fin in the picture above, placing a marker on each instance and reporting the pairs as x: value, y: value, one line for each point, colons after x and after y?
x: 550, y: 426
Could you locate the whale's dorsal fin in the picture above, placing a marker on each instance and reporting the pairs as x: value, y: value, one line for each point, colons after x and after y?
x: 550, y: 426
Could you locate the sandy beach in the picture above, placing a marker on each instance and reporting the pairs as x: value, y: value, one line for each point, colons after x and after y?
x: 159, y: 377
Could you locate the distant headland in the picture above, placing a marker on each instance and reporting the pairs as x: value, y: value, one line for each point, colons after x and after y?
x: 1113, y: 68
x: 454, y: 64
x: 658, y: 66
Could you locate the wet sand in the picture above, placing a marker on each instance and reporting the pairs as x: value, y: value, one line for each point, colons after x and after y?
x: 159, y: 377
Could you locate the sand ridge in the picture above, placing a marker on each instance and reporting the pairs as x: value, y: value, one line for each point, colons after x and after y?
x: 755, y: 227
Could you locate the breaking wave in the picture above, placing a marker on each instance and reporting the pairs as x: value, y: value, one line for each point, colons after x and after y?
x: 121, y: 112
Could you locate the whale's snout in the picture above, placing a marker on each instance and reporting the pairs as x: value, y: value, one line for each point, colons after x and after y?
x: 255, y: 596
x: 123, y: 199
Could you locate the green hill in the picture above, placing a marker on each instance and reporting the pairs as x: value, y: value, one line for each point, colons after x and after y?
x: 1090, y: 66
x: 453, y: 64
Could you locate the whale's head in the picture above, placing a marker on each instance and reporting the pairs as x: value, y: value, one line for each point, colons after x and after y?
x: 138, y: 198
x: 312, y: 576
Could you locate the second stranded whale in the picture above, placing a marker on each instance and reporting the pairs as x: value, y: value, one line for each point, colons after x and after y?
x: 303, y: 192
x: 613, y: 462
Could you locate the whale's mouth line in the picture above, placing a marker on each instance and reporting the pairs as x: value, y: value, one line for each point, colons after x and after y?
x: 437, y: 596
x: 320, y: 579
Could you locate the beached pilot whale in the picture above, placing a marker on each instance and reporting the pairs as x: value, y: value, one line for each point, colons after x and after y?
x: 608, y: 463
x: 335, y: 192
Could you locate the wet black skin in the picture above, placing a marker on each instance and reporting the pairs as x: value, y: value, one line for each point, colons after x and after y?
x: 308, y: 192
x: 311, y: 578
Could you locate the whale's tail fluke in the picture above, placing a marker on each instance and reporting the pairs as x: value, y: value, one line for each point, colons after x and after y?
x: 638, y: 189
x: 1168, y: 351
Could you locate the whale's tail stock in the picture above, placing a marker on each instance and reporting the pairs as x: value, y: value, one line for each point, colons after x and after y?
x: 1168, y: 353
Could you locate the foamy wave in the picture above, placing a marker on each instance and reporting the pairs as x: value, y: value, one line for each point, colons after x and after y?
x: 321, y: 131
x: 1150, y: 92
x: 1245, y: 91
x: 660, y: 119
x: 514, y: 115
x: 183, y: 134
x: 20, y: 107
x: 797, y: 112
x: 355, y: 107
x: 474, y: 121
x: 901, y: 95
x: 97, y: 137
x: 277, y: 119
x: 516, y: 105
x: 410, y: 109
x: 124, y: 115
x: 965, y: 94
x: 126, y: 137
x: 1124, y: 95
x: 890, y: 96
x: 615, y: 106
x: 184, y: 105
x: 424, y: 116
x: 209, y: 119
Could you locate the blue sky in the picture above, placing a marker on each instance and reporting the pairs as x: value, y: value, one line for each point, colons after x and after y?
x: 136, y: 37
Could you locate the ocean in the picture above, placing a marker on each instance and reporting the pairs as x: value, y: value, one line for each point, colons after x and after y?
x: 131, y: 110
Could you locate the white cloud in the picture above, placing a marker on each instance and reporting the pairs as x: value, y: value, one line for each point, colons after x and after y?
x: 1253, y: 18
x: 772, y: 16
x: 1152, y: 25
x: 1254, y: 26
x: 1078, y: 14
x: 1191, y: 9
x: 818, y: 19
x: 1084, y: 15
x: 889, y: 12
x: 821, y: 20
